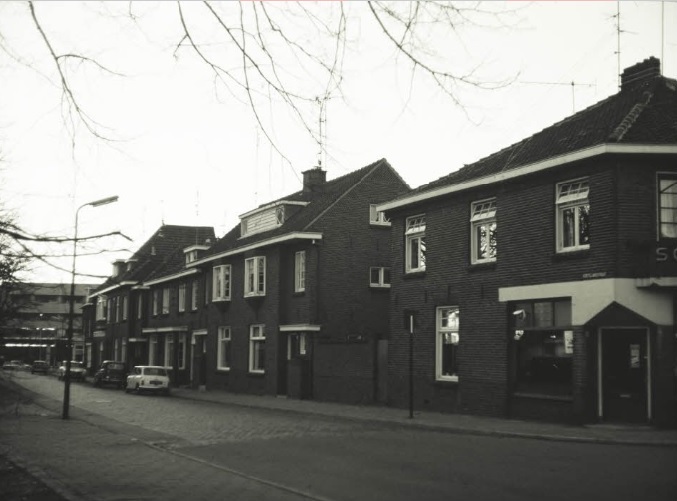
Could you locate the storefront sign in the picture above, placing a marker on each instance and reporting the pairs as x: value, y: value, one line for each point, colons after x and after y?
x: 568, y: 342
x: 665, y: 254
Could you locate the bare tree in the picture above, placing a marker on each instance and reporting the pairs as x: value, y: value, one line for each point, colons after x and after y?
x: 289, y: 54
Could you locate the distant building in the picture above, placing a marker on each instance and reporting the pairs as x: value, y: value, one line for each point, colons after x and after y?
x: 541, y: 279
x: 38, y: 331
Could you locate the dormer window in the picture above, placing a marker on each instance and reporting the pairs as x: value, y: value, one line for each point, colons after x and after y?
x: 192, y: 253
x: 267, y: 217
x: 191, y: 256
x: 377, y: 217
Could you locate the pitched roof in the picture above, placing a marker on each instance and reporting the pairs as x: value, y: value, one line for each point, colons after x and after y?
x: 162, y: 254
x: 307, y: 218
x: 643, y: 111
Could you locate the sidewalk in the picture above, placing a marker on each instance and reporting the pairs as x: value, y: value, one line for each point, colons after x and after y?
x: 451, y: 423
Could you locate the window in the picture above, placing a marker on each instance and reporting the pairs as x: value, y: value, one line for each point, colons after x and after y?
x: 101, y: 311
x: 208, y: 285
x: 300, y: 271
x: 139, y: 306
x: 573, y: 211
x: 483, y: 231
x: 667, y: 207
x: 191, y: 256
x: 156, y: 301
x: 377, y: 217
x: 255, y: 276
x: 415, y: 244
x: 123, y: 355
x: 193, y: 295
x: 297, y: 345
x: 169, y: 351
x: 182, y: 297
x: 379, y: 276
x: 124, y: 308
x: 446, y: 366
x: 116, y: 349
x: 165, y: 300
x: 152, y: 350
x: 221, y: 283
x: 543, y: 346
x: 257, y: 349
x: 223, y: 349
x: 111, y: 310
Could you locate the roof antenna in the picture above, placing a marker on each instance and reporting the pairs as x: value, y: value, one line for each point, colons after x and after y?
x: 618, y: 41
x: 322, y: 122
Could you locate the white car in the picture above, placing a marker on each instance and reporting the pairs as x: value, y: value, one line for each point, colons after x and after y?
x: 78, y: 371
x: 148, y: 378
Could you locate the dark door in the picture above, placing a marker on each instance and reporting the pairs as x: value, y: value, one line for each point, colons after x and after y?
x: 282, y: 362
x: 624, y: 375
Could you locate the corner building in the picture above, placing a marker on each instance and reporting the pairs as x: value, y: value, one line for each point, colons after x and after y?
x: 541, y: 279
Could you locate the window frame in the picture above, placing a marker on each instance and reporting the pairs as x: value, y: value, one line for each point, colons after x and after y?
x: 169, y: 351
x: 440, y: 334
x: 193, y: 297
x: 166, y: 294
x: 255, y: 276
x: 414, y: 231
x: 672, y: 178
x: 222, y: 278
x: 182, y: 297
x: 482, y: 216
x: 224, y: 344
x: 381, y: 282
x: 156, y: 302
x: 257, y: 335
x: 377, y: 218
x: 125, y: 308
x: 565, y: 202
x: 300, y: 271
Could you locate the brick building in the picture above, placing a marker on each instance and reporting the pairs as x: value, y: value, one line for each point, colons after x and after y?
x: 298, y: 292
x: 541, y: 279
x: 126, y: 314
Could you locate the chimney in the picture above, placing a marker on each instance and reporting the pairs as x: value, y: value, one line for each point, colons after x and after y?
x: 118, y: 267
x: 640, y: 73
x: 314, y: 179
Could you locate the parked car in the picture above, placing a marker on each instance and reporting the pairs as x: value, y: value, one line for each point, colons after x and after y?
x: 148, y: 378
x: 111, y: 372
x: 39, y: 367
x: 13, y: 365
x: 78, y: 371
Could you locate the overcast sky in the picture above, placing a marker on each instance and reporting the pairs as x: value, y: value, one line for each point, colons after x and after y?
x: 187, y: 154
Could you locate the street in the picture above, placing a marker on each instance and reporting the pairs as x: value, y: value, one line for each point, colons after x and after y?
x: 207, y: 450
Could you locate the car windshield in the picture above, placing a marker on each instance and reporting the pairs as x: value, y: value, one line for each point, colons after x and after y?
x: 76, y: 365
x: 116, y: 367
x: 154, y: 371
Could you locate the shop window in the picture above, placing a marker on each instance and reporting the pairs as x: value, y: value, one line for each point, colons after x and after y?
x: 446, y: 366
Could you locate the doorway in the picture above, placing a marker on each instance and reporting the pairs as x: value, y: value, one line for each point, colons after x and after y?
x: 199, y: 360
x: 625, y: 375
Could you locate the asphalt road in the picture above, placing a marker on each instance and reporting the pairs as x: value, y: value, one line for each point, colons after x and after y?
x: 332, y: 459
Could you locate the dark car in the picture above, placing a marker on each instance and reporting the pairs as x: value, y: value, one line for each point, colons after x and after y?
x: 39, y: 367
x: 111, y: 372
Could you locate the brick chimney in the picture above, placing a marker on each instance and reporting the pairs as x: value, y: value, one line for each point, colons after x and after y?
x: 640, y: 73
x: 314, y: 179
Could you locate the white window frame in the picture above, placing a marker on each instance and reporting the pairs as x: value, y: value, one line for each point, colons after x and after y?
x: 139, y: 306
x: 381, y: 282
x: 165, y: 300
x: 255, y: 276
x: 123, y: 354
x: 125, y: 308
x: 378, y: 218
x: 156, y: 302
x: 300, y: 271
x: 193, y: 296
x: 101, y: 308
x: 116, y: 349
x: 169, y: 351
x: 111, y: 310
x: 571, y: 195
x: 221, y: 282
x: 257, y: 335
x: 182, y: 297
x: 445, y: 330
x: 223, y: 348
x: 666, y: 210
x: 482, y: 218
x: 415, y: 234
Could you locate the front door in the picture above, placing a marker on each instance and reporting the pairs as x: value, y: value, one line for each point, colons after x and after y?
x: 199, y: 367
x: 625, y: 375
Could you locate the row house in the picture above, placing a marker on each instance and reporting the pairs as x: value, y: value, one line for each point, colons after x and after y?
x: 127, y: 318
x: 539, y: 282
x: 292, y: 301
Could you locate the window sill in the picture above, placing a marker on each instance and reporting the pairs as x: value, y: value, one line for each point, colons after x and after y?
x: 256, y: 373
x: 223, y: 369
x: 484, y: 265
x: 221, y: 300
x: 447, y: 382
x: 300, y: 293
x: 379, y: 287
x: 414, y: 274
x: 543, y: 396
x: 254, y: 296
x: 375, y: 224
x: 572, y: 254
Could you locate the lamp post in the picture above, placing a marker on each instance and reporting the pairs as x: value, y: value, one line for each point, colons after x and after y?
x: 71, y: 307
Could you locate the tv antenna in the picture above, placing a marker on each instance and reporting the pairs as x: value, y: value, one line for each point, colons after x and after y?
x: 572, y: 84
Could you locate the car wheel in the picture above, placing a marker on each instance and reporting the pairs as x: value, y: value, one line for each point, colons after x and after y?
x: 137, y: 390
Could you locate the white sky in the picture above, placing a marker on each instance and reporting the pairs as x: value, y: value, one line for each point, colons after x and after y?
x: 188, y: 158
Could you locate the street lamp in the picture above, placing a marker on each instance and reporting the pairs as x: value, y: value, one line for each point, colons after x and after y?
x: 71, y: 307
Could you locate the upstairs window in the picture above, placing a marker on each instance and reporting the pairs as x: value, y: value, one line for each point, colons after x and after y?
x: 165, y: 300
x: 125, y: 308
x: 573, y: 212
x: 415, y: 244
x: 139, y: 306
x: 379, y: 276
x: 255, y: 276
x: 446, y: 366
x: 667, y: 207
x: 300, y: 271
x: 193, y: 295
x: 221, y: 283
x: 182, y: 297
x: 483, y: 231
x: 156, y: 301
x: 101, y: 308
x: 377, y: 217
